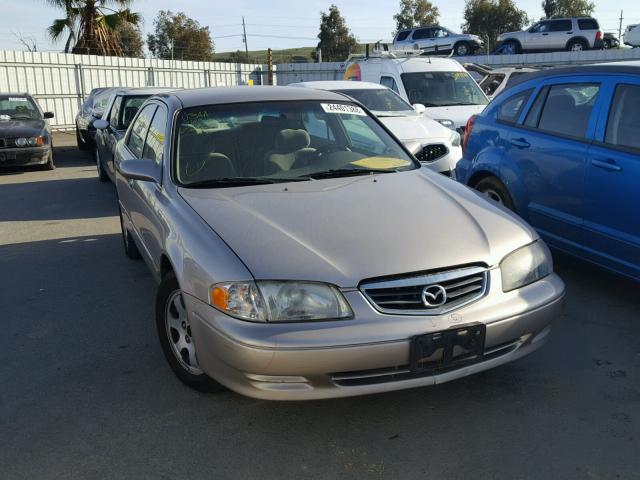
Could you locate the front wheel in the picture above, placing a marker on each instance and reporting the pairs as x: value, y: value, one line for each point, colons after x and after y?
x: 130, y: 247
x: 102, y: 174
x: 176, y: 337
x: 82, y: 145
x: 462, y: 49
x: 494, y: 189
x: 49, y: 165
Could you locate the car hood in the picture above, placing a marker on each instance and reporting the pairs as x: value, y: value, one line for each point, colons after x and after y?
x: 458, y: 114
x: 416, y: 127
x: 21, y: 128
x: 345, y: 230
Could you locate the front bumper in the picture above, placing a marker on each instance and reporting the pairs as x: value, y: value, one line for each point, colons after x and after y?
x: 19, y: 157
x: 369, y: 354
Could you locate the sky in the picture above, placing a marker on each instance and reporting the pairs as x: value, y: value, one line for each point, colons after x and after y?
x: 273, y: 23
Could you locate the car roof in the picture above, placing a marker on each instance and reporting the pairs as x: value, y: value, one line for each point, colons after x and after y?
x: 143, y: 91
x: 620, y: 68
x: 340, y: 85
x: 418, y: 63
x: 245, y: 94
x: 15, y: 94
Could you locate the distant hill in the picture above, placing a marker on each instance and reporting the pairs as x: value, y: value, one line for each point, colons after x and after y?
x: 288, y: 55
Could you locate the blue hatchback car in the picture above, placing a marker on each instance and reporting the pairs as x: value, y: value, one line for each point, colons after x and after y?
x: 562, y: 149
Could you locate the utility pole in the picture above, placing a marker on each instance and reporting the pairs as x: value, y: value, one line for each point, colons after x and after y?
x: 244, y: 36
x: 620, y: 27
x: 270, y: 66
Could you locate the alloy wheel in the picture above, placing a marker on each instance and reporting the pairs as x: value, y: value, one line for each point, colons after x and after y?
x: 179, y: 333
x: 493, y: 195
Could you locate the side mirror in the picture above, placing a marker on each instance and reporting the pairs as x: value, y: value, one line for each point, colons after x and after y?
x: 419, y: 108
x: 100, y: 124
x: 137, y: 169
x: 96, y: 113
x: 48, y: 115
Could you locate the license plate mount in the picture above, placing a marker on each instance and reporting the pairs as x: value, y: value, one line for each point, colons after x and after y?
x: 448, y: 349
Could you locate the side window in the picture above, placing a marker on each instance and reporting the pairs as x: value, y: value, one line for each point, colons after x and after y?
x: 389, y: 82
x: 139, y: 129
x: 402, y: 35
x: 154, y: 145
x: 510, y: 109
x: 623, y: 126
x: 567, y: 109
x: 440, y: 33
x: 114, y: 116
x: 560, y: 26
x: 422, y: 33
x: 540, y: 27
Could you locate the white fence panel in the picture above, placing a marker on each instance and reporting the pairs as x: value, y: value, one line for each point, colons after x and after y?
x: 555, y: 58
x: 287, y: 73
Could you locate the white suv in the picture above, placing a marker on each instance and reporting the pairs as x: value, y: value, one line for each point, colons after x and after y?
x: 573, y: 34
x: 436, y: 39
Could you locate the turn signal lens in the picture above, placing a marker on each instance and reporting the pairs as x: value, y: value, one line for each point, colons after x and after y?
x: 239, y: 299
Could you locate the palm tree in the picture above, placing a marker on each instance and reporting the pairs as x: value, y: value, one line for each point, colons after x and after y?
x: 90, y: 25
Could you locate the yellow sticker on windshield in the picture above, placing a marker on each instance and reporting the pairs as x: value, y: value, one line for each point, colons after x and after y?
x: 381, y: 162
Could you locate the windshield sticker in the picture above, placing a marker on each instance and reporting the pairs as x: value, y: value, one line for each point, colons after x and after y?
x: 381, y: 162
x: 343, y: 109
x: 17, y: 99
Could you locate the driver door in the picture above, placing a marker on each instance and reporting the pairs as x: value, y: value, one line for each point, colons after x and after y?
x: 537, y: 38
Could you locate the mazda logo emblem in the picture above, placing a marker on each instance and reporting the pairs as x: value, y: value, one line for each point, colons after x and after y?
x: 434, y: 296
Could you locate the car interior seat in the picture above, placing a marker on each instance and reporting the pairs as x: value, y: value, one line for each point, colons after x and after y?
x: 627, y: 124
x: 560, y: 114
x: 198, y: 159
x: 291, y: 146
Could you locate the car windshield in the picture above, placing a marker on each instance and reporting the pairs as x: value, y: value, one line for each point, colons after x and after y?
x: 18, y: 107
x: 253, y: 143
x: 442, y: 89
x: 379, y: 100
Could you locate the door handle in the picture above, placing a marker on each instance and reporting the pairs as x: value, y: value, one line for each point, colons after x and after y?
x: 545, y: 34
x: 569, y: 33
x: 520, y: 143
x: 607, y: 164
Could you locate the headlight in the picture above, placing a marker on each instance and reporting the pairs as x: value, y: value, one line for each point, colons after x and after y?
x: 525, y: 265
x: 455, y: 139
x: 280, y: 301
x: 36, y: 141
x: 21, y: 142
x: 446, y: 122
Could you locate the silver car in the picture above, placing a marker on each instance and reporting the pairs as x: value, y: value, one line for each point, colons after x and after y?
x: 296, y: 265
x: 438, y: 40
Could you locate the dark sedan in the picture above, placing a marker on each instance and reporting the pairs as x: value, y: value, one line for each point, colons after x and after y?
x: 25, y: 134
x: 91, y: 110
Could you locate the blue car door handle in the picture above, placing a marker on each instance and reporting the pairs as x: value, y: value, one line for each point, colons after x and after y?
x: 607, y: 164
x: 520, y: 143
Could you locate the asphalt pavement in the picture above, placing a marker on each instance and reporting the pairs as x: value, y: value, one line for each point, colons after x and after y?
x: 85, y: 392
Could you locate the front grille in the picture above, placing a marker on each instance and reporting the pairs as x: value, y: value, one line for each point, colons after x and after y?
x: 461, y: 130
x: 431, y: 153
x: 443, y: 291
x: 7, y: 142
x: 3, y: 143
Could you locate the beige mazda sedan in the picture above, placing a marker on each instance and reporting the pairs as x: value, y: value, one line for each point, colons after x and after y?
x: 303, y: 253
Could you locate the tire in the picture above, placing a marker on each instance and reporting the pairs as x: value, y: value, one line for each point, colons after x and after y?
x: 174, y: 333
x: 130, y: 247
x: 82, y: 145
x: 102, y: 174
x: 577, y: 46
x: 49, y: 165
x: 462, y: 49
x: 513, y: 46
x: 606, y: 44
x: 495, y: 190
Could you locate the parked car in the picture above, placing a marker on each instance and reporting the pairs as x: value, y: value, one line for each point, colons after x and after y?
x: 573, y: 34
x: 609, y: 40
x: 297, y: 264
x: 501, y: 78
x: 442, y: 85
x: 91, y: 110
x: 25, y: 133
x: 562, y: 149
x: 436, y: 146
x: 120, y: 110
x: 631, y: 36
x: 437, y: 39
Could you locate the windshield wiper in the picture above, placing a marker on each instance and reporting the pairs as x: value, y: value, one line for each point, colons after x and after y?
x: 240, y: 182
x: 456, y: 104
x: 348, y: 172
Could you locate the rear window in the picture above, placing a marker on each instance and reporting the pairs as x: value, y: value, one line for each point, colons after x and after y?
x: 623, y: 126
x: 402, y: 35
x: 588, y: 24
x: 561, y: 26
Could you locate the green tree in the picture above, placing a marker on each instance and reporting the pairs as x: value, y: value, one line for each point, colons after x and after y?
x: 130, y: 40
x: 567, y: 8
x: 180, y: 37
x: 90, y: 25
x: 336, y: 40
x: 490, y: 18
x: 414, y: 13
